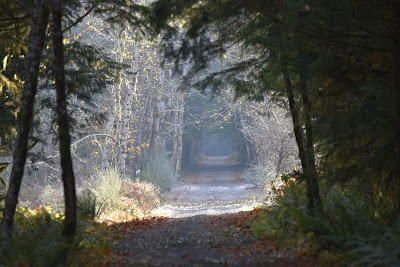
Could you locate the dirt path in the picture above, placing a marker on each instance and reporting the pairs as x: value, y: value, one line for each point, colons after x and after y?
x: 202, y: 226
x: 216, y: 189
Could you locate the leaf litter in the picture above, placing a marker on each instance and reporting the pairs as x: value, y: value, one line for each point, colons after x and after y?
x: 199, y: 226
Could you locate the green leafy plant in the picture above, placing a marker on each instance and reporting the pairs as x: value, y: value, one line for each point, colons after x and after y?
x: 3, y: 187
x: 37, y: 241
x: 347, y: 227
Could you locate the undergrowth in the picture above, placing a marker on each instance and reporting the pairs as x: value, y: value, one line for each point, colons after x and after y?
x: 37, y: 241
x: 347, y: 232
x: 109, y: 196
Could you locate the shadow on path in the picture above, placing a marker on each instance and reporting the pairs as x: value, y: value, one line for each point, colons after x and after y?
x: 202, y: 225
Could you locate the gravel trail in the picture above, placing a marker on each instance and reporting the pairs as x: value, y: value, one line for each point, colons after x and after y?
x: 202, y: 225
x: 215, y: 189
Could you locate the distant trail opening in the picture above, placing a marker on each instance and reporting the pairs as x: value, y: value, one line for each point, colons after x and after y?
x: 217, y: 144
x: 215, y: 188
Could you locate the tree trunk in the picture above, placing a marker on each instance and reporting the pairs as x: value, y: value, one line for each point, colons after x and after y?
x: 107, y: 146
x: 298, y: 135
x: 396, y: 81
x: 63, y: 125
x: 40, y: 16
x: 176, y: 132
x: 280, y: 157
x: 310, y: 145
x: 247, y: 142
x: 158, y: 114
x: 125, y: 126
x: 181, y: 106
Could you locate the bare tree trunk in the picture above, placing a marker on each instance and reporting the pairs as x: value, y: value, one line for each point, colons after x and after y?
x: 176, y: 133
x: 126, y: 114
x: 63, y: 125
x: 280, y: 157
x: 180, y: 126
x: 132, y: 92
x: 155, y: 128
x: 107, y: 146
x: 158, y: 114
x: 40, y: 16
x: 247, y: 142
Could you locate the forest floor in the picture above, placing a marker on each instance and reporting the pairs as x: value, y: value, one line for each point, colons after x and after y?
x: 200, y: 224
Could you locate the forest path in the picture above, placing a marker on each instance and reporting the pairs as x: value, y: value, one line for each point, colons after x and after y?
x: 216, y: 188
x: 197, y: 230
x: 202, y: 240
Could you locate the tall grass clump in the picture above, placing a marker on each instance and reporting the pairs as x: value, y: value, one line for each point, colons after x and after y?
x: 109, y: 196
x: 254, y: 175
x: 100, y: 194
x: 156, y: 168
x: 261, y: 176
x: 87, y: 204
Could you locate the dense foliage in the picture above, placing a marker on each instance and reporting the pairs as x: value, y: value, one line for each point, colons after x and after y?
x: 335, y: 66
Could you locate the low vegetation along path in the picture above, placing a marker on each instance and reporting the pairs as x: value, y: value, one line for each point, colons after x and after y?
x: 201, y: 225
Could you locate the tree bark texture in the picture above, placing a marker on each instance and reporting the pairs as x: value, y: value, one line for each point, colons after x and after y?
x: 396, y: 80
x: 109, y: 130
x: 298, y: 135
x: 132, y: 92
x: 310, y: 145
x: 178, y: 166
x: 247, y: 141
x: 40, y: 17
x: 158, y: 114
x: 175, y: 137
x: 64, y: 137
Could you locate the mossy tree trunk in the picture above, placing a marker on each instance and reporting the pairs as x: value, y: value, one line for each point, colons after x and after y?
x: 40, y: 17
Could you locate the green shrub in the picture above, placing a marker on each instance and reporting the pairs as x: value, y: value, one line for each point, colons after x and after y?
x: 346, y: 226
x: 3, y: 191
x: 37, y: 241
x: 156, y: 168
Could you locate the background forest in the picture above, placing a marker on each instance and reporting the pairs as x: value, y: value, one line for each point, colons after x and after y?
x: 121, y: 98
